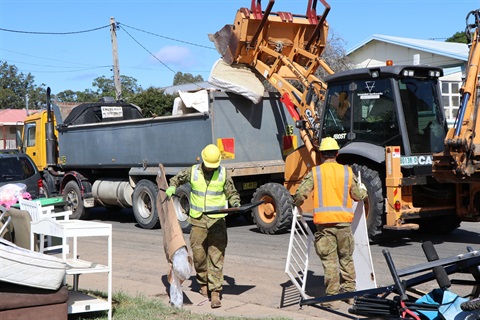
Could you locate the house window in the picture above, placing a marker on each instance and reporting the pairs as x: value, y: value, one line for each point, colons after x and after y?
x: 451, y: 99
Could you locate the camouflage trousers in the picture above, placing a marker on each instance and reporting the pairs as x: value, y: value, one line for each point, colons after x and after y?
x: 208, y: 248
x: 334, y: 245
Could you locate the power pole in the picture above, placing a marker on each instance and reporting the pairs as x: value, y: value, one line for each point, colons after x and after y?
x: 116, y: 69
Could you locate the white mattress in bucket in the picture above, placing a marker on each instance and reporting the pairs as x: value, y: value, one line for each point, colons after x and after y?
x: 28, y: 268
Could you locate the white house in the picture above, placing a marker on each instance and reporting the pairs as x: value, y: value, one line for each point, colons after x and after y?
x: 452, y: 57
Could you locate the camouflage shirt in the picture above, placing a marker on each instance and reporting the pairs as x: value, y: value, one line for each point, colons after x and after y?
x: 229, y: 189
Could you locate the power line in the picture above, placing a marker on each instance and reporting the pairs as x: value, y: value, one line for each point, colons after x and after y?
x: 144, y: 48
x: 62, y: 67
x: 98, y: 28
x: 43, y: 58
x: 169, y: 38
x: 53, y: 33
x: 166, y: 66
x: 68, y: 71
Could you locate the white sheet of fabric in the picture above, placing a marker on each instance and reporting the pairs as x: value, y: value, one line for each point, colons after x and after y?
x: 190, y: 102
x: 237, y: 79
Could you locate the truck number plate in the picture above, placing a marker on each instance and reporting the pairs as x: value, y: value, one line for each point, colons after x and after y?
x: 249, y: 185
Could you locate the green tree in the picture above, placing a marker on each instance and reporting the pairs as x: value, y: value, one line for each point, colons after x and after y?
x: 77, y: 96
x: 182, y: 78
x: 460, y: 37
x: 154, y: 102
x: 15, y: 86
x: 106, y: 87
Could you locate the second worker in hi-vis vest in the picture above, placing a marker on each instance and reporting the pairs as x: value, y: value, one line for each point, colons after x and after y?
x: 212, y: 187
x: 334, y: 187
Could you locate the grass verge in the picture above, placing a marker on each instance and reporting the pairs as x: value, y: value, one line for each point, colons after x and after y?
x: 140, y: 307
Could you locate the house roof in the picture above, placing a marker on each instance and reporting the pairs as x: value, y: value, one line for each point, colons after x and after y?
x: 13, y: 116
x: 453, y: 50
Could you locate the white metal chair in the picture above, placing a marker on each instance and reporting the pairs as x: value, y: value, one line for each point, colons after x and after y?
x: 37, y: 212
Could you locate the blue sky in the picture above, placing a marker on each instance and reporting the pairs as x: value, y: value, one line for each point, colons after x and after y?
x: 71, y: 62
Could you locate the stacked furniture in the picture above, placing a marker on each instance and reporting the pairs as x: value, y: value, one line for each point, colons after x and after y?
x: 23, y: 292
x: 31, y: 283
x: 48, y: 225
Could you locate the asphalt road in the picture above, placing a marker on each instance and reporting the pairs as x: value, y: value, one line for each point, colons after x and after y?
x: 254, y: 265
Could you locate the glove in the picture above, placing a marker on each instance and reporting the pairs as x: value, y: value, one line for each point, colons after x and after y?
x: 170, y: 191
x: 360, y: 190
x: 236, y: 204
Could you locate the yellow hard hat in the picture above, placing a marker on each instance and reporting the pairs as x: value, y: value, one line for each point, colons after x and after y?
x: 211, y: 156
x: 328, y: 144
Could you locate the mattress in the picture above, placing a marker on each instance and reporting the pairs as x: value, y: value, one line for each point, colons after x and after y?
x: 28, y: 268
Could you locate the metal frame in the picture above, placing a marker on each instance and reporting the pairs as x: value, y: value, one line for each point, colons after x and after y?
x: 465, y: 263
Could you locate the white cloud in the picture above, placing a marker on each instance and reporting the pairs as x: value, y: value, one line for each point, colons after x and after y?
x: 175, y: 56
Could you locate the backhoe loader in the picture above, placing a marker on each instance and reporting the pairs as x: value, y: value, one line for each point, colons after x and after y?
x: 388, y: 120
x: 459, y: 162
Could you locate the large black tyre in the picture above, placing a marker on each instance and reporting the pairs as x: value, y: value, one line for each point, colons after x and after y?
x: 182, y: 206
x: 144, y: 204
x: 275, y: 214
x: 72, y: 194
x: 375, y: 201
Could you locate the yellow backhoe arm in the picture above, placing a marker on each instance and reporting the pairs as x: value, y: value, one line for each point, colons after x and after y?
x: 282, y: 47
x: 460, y: 160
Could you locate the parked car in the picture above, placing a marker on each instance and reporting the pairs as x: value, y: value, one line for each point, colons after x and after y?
x: 16, y: 167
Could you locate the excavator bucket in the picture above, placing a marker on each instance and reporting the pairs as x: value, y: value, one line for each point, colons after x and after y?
x: 261, y: 35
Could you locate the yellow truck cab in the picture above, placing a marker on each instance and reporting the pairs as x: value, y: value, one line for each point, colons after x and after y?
x: 34, y: 138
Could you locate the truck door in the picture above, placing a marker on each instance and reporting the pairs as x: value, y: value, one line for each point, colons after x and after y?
x: 30, y: 144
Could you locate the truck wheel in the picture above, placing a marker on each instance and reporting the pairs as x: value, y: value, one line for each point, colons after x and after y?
x: 275, y: 214
x: 46, y: 191
x: 144, y: 204
x: 72, y: 194
x: 374, y: 202
x: 182, y: 206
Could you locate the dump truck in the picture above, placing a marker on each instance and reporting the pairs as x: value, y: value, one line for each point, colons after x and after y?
x: 107, y: 154
x: 388, y: 120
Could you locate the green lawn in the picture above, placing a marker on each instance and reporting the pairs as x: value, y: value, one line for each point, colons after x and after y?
x: 140, y: 307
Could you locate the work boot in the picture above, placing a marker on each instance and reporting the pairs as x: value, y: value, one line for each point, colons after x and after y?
x: 204, y: 290
x: 350, y: 301
x: 334, y: 305
x: 215, y: 299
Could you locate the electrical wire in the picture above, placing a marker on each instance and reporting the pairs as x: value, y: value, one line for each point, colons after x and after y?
x: 119, y: 25
x: 154, y: 56
x: 169, y: 38
x: 54, y: 33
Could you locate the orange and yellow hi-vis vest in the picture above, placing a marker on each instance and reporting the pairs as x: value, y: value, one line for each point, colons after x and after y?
x: 331, y: 198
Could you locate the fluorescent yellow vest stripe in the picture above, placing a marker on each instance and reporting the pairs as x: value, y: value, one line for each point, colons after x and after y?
x: 207, y: 197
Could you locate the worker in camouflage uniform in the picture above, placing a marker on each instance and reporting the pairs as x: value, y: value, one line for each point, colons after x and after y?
x: 334, y: 187
x: 212, y: 187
